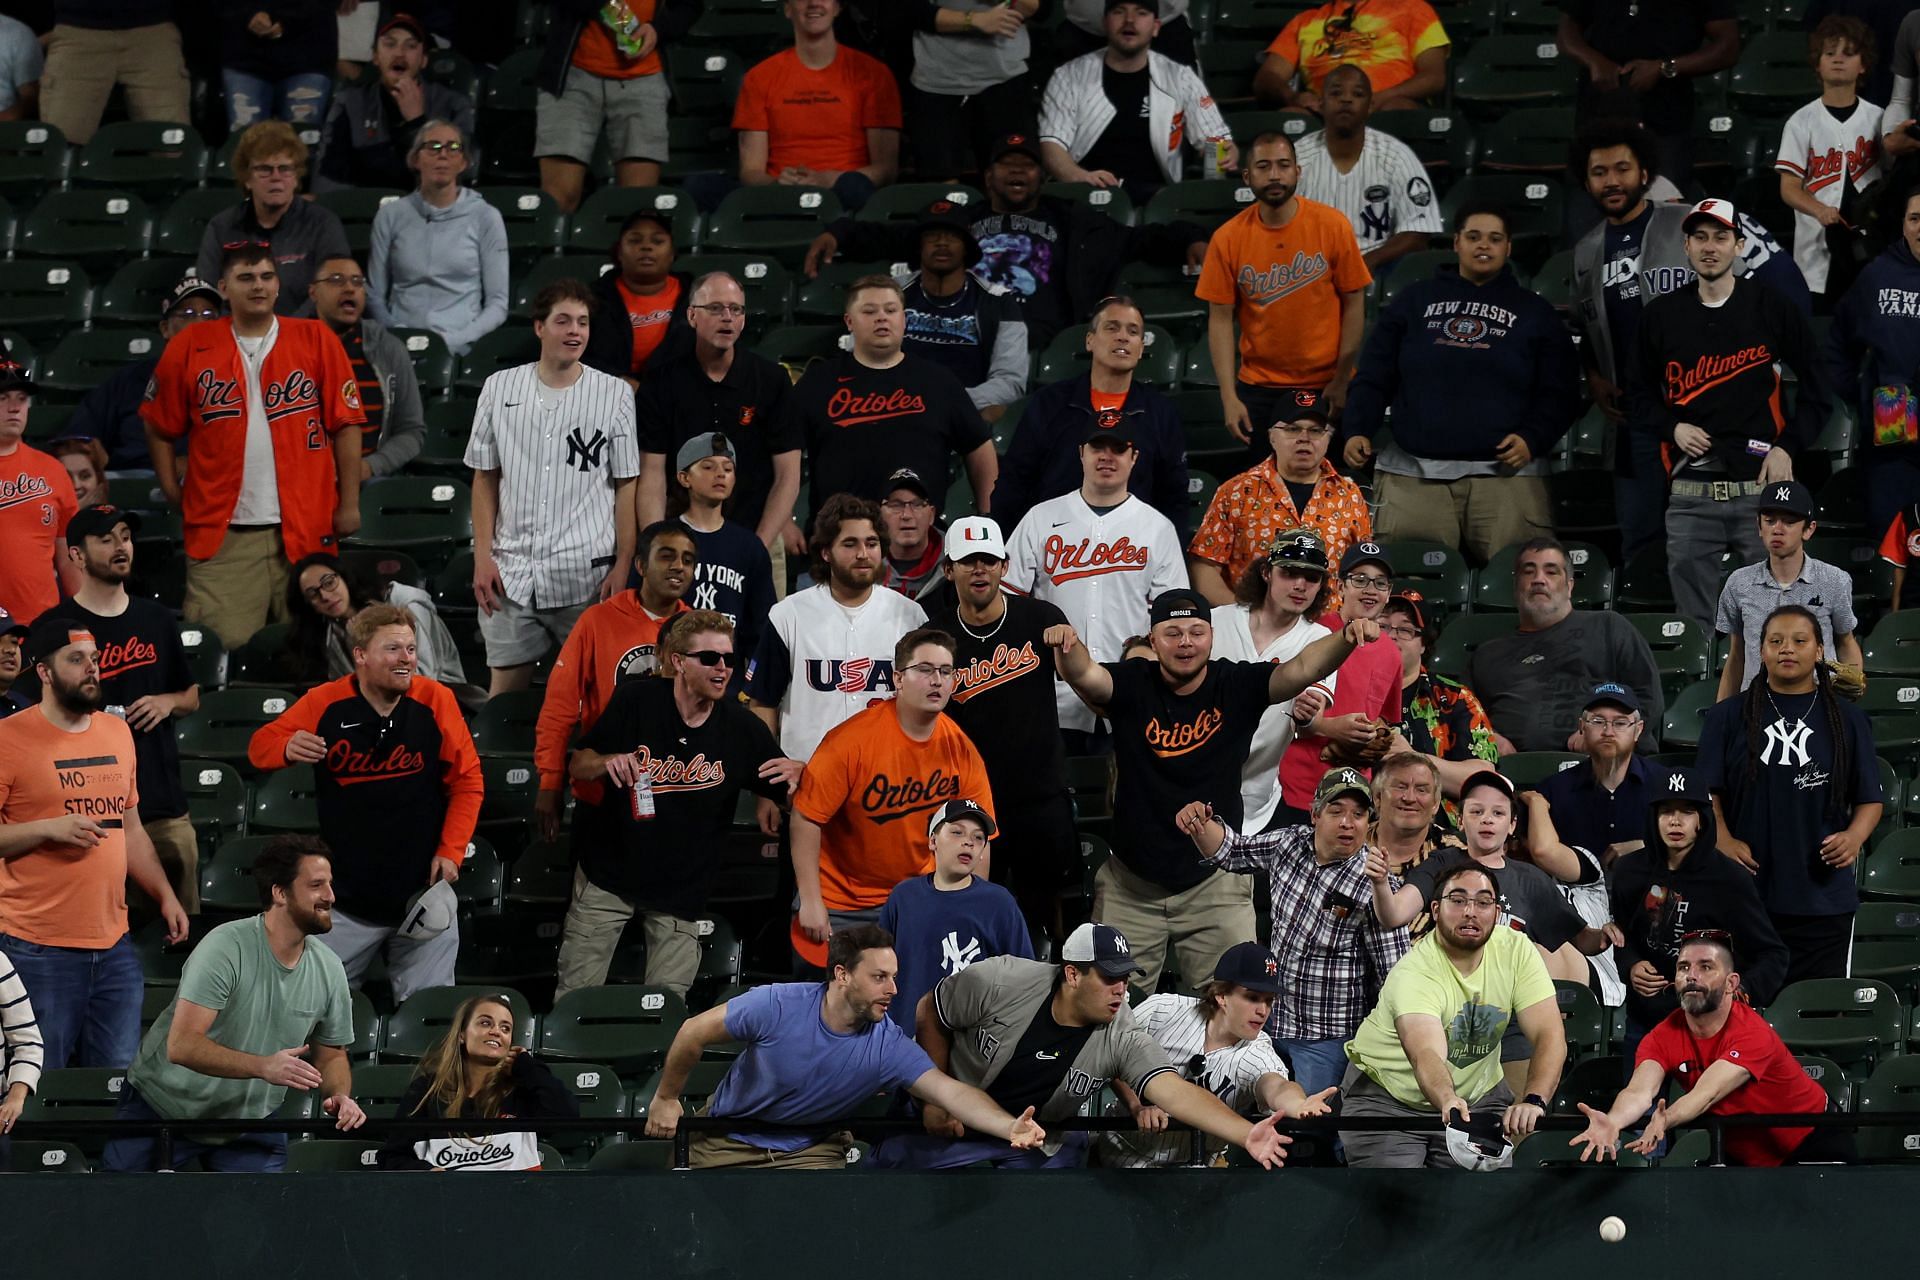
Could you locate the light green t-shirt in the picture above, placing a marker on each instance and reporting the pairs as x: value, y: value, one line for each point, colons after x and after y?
x: 1473, y: 1010
x: 261, y: 1007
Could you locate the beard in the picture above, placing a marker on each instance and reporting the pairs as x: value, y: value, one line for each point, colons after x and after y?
x: 1456, y: 941
x: 1700, y: 1001
x: 82, y: 697
x: 310, y: 920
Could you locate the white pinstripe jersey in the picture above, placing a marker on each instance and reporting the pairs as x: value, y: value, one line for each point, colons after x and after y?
x: 1231, y: 1074
x: 1102, y: 571
x: 1387, y: 191
x: 559, y: 458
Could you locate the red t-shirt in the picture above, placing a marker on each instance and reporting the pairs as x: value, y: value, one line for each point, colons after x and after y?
x: 36, y: 501
x: 1779, y: 1084
x: 649, y: 314
x: 1368, y: 681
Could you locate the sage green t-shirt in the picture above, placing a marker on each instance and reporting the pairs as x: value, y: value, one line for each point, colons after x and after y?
x: 261, y: 1007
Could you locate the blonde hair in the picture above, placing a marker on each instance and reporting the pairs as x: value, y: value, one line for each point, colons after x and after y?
x: 268, y: 138
x: 445, y: 1067
x: 362, y: 625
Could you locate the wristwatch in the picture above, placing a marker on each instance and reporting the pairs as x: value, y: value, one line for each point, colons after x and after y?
x: 1535, y: 1100
x: 1669, y: 70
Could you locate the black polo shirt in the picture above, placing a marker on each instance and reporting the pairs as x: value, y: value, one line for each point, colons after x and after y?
x: 678, y: 401
x: 1588, y: 815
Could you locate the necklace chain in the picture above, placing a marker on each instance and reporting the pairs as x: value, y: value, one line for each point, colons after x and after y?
x: 991, y: 632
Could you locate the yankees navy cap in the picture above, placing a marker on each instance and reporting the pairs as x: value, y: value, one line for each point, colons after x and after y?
x: 1101, y: 947
x: 1249, y: 965
x: 1615, y: 694
x: 1181, y: 602
x: 1682, y: 784
x: 1365, y: 553
x: 99, y: 520
x: 1789, y: 496
x: 12, y: 626
x: 960, y: 811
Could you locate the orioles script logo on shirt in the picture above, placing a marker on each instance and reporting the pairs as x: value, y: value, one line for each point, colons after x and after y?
x: 349, y: 765
x: 23, y: 487
x: 671, y: 773
x: 1065, y: 561
x: 981, y: 674
x: 1281, y: 278
x: 1826, y: 166
x: 846, y: 408
x: 887, y: 801
x: 1684, y: 384
x: 1180, y: 738
x: 117, y: 659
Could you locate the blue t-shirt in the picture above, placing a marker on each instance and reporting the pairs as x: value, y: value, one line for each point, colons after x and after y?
x: 795, y: 1071
x: 1781, y: 812
x: 938, y: 933
x: 1586, y: 814
x: 1620, y: 267
x: 735, y: 578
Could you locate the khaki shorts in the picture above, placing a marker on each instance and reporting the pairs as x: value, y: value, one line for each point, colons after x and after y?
x: 718, y: 1151
x: 1200, y: 923
x: 634, y: 113
x: 242, y: 587
x: 591, y: 934
x: 516, y: 635
x: 178, y: 848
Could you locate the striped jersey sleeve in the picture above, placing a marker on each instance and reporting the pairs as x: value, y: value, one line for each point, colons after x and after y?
x: 25, y: 1053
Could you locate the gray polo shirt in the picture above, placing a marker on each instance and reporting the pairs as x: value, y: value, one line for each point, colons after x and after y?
x: 1751, y: 594
x: 987, y: 1007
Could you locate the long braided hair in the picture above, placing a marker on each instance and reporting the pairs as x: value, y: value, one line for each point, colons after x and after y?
x: 1758, y: 707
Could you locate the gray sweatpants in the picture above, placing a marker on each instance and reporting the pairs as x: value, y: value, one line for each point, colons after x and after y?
x: 1698, y: 530
x: 411, y: 966
x: 1396, y: 1149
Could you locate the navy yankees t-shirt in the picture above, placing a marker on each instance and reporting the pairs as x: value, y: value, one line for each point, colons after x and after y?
x: 937, y: 933
x: 735, y: 578
x: 1620, y: 263
x: 1781, y: 811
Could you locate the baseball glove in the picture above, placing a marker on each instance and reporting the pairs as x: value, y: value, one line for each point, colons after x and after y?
x: 1363, y: 756
x: 1849, y: 681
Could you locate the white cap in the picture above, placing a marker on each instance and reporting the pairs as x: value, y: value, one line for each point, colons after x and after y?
x: 1480, y: 1146
x: 431, y: 913
x: 1720, y: 211
x: 975, y: 536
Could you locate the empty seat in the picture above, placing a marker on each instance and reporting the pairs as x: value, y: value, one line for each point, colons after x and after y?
x: 629, y: 1026
x: 152, y: 158
x: 226, y: 722
x: 1851, y: 1020
x: 96, y: 228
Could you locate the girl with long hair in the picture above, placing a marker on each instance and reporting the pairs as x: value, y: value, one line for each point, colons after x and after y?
x: 324, y: 592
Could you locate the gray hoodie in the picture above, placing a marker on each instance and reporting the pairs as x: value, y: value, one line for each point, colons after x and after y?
x: 439, y: 269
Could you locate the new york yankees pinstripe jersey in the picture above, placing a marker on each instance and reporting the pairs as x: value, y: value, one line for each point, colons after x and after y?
x: 560, y: 455
x: 1101, y: 570
x: 1232, y: 1074
x: 1386, y: 192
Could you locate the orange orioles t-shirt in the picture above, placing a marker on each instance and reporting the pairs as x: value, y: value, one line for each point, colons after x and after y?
x: 872, y: 790
x: 1284, y: 285
x: 650, y: 314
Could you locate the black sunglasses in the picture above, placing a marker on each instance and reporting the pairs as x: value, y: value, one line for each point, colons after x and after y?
x: 710, y: 657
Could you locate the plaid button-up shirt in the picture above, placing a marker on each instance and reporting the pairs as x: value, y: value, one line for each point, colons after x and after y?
x: 1333, y: 952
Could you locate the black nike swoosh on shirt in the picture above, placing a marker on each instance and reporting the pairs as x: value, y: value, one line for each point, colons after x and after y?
x: 1057, y: 523
x: 515, y: 404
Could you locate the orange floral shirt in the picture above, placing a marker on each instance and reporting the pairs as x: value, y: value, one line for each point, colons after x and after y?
x: 1250, y: 510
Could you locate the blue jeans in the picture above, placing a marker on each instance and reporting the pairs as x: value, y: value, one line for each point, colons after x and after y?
x: 1639, y: 489
x: 1316, y: 1064
x: 299, y: 100
x: 243, y: 1153
x: 87, y: 1002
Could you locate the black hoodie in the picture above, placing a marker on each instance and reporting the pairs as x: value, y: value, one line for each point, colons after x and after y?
x: 1655, y: 905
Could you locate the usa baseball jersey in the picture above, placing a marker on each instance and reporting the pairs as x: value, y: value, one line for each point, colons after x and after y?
x: 200, y: 391
x: 1260, y: 779
x: 1101, y: 570
x: 1232, y: 1074
x: 820, y: 662
x: 1828, y: 156
x: 1386, y: 192
x: 560, y: 455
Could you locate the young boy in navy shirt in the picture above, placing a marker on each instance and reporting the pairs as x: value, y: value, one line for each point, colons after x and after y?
x: 735, y: 573
x: 943, y: 922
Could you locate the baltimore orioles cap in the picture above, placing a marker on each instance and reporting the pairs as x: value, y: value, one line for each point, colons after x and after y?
x: 1713, y: 210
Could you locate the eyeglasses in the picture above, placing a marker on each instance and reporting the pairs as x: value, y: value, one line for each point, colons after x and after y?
x: 1458, y: 898
x: 337, y: 280
x: 1314, y: 430
x: 437, y: 147
x: 719, y: 309
x: 319, y: 589
x: 898, y: 505
x: 275, y: 170
x: 1600, y: 724
x: 927, y: 671
x: 1367, y: 582
x: 710, y: 657
x: 195, y: 313
x: 1403, y: 632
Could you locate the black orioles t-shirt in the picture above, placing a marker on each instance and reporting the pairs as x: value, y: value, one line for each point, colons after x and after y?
x: 1003, y: 696
x: 1173, y: 749
x: 860, y: 425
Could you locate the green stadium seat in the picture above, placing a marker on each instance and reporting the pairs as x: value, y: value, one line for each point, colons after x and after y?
x: 1111, y: 201
x: 1438, y: 572
x: 378, y: 1088
x: 1680, y: 726
x: 1067, y: 355
x: 625, y: 1157
x: 823, y: 299
x: 1892, y: 869
x: 285, y: 800
x: 504, y: 348
x: 535, y: 225
x: 798, y: 345
x: 1499, y: 73
x: 368, y: 1028
x: 356, y: 207
x: 768, y: 283
x: 184, y: 223
x: 1254, y: 19
x: 339, y: 1156
x: 82, y: 361
x: 1410, y: 269
x: 1682, y: 649
x: 1643, y: 585
x: 522, y: 963
x: 227, y: 888
x: 147, y: 157
x: 1528, y: 769
x: 47, y: 298
x: 1528, y: 16
x: 77, y: 1093
x: 600, y: 1094
x: 264, y: 662
x: 511, y: 786
x: 1554, y: 282
x: 1893, y: 1086
x: 705, y: 78
x: 1592, y: 579
x: 742, y: 25
x: 1733, y: 145
x: 904, y: 202
x: 1886, y: 945
x: 1829, y: 1075
x: 425, y: 1017
x: 1165, y: 297
x: 1892, y: 648
x: 776, y: 220
x: 1206, y: 201
x: 1771, y: 77
x: 1249, y: 123
x: 160, y: 962
x: 449, y: 426
x: 1229, y: 66
x: 702, y: 1080
x: 226, y: 721
x: 507, y: 120
x: 451, y: 68
x: 154, y: 1001
x: 430, y: 516
x: 29, y: 1156
x: 216, y: 799
x: 629, y: 1026
x: 1461, y: 636
x: 1851, y: 1020
x: 1892, y: 695
x: 1534, y: 202
x: 481, y: 887
x: 1201, y: 486
x: 504, y: 726
x: 1441, y: 137
x: 34, y: 157
x: 1530, y: 140
x: 140, y: 290
x: 433, y: 361
x: 595, y: 226
x: 1594, y: 1080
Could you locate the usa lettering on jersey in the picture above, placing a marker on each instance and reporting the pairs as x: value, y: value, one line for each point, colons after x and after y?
x: 850, y: 675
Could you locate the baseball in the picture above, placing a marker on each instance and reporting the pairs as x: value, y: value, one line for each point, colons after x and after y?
x: 1612, y: 1230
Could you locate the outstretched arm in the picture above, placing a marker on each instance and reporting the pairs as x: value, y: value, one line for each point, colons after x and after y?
x: 1190, y: 1104
x: 1086, y: 677
x: 1319, y: 660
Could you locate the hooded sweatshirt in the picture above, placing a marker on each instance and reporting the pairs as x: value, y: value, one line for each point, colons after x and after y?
x: 1654, y: 905
x: 439, y: 269
x: 1872, y: 353
x: 1501, y: 339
